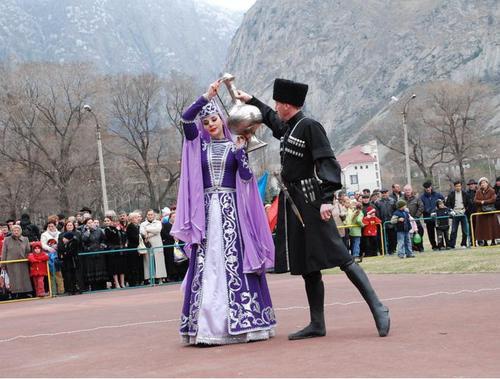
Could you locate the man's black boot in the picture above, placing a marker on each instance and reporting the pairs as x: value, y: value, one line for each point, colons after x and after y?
x: 315, y: 290
x: 380, y: 312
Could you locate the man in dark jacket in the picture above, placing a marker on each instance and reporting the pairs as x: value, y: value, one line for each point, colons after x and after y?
x: 306, y: 155
x: 497, y: 191
x: 458, y: 202
x: 29, y: 229
x: 429, y: 198
x: 396, y: 192
x: 385, y: 208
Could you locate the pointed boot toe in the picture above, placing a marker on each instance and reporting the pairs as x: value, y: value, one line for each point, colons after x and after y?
x: 383, y: 321
x: 309, y: 331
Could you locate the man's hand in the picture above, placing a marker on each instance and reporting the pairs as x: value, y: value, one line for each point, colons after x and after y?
x: 243, y: 96
x: 326, y: 211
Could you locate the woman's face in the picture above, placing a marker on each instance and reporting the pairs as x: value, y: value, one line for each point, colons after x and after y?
x: 51, y: 227
x: 213, y: 125
x: 483, y: 184
x: 107, y: 221
x: 70, y: 227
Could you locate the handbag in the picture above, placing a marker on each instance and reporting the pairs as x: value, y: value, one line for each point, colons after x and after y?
x: 488, y: 207
x: 142, y: 248
x: 179, y: 254
x: 4, y: 281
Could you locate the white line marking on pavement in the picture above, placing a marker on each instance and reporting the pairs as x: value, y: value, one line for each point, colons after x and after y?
x: 397, y: 298
x: 460, y: 292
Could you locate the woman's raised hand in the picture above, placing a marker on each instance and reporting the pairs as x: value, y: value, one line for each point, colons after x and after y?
x: 212, y: 89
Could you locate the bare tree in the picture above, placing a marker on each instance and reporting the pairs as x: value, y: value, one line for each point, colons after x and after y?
x: 180, y: 93
x: 138, y: 125
x: 42, y: 123
x: 458, y: 120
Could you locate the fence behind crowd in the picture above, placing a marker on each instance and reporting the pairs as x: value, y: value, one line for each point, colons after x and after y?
x: 424, y: 219
x: 6, y: 282
x: 477, y: 215
x: 149, y: 257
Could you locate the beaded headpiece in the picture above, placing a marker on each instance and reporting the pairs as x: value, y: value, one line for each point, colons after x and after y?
x: 209, y: 109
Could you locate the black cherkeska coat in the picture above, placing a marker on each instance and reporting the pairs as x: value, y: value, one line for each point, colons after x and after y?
x: 306, y: 154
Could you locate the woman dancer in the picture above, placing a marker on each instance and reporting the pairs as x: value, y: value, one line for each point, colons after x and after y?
x: 221, y: 218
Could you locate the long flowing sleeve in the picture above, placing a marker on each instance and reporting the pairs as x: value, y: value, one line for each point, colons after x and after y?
x: 243, y: 166
x: 190, y: 130
x: 270, y: 118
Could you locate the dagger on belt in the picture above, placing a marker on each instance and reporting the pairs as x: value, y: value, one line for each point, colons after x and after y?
x: 295, y: 210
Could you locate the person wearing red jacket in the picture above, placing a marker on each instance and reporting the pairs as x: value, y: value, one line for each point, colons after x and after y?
x: 370, y: 232
x: 38, y: 267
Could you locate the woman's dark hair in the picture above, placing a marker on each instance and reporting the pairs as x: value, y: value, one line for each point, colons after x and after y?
x: 69, y: 222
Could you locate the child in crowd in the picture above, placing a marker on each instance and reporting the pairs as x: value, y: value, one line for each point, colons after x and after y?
x: 38, y: 267
x: 401, y: 219
x: 442, y: 216
x: 370, y: 232
x: 55, y: 266
x: 355, y: 217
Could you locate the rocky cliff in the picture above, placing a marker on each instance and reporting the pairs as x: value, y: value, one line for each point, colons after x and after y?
x: 355, y: 55
x: 120, y: 35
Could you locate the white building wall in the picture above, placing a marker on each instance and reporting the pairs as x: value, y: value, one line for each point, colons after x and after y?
x: 368, y: 176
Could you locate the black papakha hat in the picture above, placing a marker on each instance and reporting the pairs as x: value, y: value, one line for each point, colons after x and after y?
x: 290, y: 92
x: 427, y: 184
x: 471, y: 181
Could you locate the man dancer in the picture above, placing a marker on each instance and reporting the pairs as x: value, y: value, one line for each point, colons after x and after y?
x: 306, y: 155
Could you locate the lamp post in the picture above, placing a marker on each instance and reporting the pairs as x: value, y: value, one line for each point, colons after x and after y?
x: 88, y: 108
x: 405, y: 131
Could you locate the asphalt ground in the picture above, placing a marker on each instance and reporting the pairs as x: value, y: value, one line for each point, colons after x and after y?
x: 443, y: 325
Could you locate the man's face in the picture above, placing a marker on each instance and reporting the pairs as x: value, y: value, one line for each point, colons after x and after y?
x: 458, y: 187
x: 473, y: 187
x: 123, y: 217
x: 10, y: 224
x: 396, y: 188
x: 16, y: 232
x: 281, y: 110
x: 365, y: 200
x: 4, y: 229
x: 385, y: 195
x: 408, y: 191
x: 428, y: 190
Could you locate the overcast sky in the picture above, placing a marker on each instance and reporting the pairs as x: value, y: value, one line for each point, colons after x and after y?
x: 234, y: 4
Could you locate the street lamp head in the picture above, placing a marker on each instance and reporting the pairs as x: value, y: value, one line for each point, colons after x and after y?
x: 394, y: 98
x: 87, y: 107
x: 413, y: 96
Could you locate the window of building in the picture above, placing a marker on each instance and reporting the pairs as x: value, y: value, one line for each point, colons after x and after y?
x: 376, y: 166
x: 376, y: 174
x: 354, y: 179
x: 366, y: 167
x: 360, y: 167
x: 355, y: 167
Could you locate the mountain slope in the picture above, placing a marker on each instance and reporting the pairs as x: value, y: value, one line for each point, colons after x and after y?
x: 356, y: 54
x: 120, y: 35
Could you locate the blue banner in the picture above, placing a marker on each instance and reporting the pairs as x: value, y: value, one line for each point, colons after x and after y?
x: 262, y: 184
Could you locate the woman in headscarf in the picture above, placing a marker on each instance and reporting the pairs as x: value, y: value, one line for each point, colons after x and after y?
x: 221, y: 218
x: 487, y: 226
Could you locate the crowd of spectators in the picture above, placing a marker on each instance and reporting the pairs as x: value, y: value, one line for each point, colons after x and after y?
x: 124, y: 250
x: 403, y: 214
x: 85, y: 254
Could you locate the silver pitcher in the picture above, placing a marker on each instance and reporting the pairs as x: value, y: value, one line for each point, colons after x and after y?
x: 243, y: 119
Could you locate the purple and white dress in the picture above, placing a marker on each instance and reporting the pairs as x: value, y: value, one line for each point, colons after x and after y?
x: 222, y: 304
